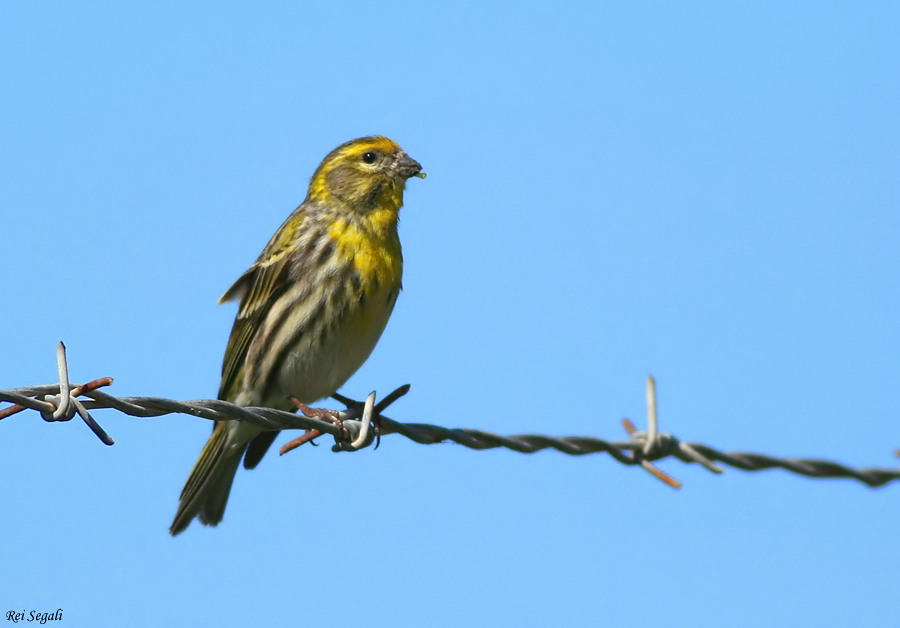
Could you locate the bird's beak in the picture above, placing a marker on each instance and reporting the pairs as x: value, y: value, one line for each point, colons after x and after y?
x: 407, y: 167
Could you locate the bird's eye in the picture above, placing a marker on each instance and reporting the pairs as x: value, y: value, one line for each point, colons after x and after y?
x: 369, y: 157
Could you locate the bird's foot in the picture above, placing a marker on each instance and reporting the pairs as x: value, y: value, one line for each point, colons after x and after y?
x: 310, y: 435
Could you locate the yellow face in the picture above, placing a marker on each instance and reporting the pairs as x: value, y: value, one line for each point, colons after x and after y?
x: 364, y: 174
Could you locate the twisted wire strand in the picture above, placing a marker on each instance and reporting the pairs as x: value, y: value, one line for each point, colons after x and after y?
x: 809, y: 467
x: 631, y: 452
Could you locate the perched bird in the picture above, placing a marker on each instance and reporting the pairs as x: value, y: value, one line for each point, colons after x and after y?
x: 311, y: 308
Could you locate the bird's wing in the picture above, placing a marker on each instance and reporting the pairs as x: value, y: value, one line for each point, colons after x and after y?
x: 256, y: 290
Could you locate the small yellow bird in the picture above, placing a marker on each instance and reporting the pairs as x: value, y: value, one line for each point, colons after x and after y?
x: 310, y: 309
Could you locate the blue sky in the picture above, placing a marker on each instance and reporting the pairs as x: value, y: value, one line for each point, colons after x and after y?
x: 706, y: 192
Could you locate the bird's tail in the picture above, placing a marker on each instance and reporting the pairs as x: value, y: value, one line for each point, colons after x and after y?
x: 205, y: 493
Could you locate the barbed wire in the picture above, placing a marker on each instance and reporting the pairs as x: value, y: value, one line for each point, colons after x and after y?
x: 361, y: 424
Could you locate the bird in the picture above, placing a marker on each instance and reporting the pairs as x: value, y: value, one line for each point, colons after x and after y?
x: 310, y: 309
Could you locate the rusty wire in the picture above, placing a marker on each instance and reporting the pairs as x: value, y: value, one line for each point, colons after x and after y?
x: 60, y: 402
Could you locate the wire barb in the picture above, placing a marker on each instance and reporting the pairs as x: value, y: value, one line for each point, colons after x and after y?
x: 61, y: 404
x: 353, y: 429
x: 362, y: 438
x: 652, y: 440
x: 658, y: 445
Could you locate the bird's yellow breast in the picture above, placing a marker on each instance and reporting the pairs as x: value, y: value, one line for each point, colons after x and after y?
x: 373, y: 245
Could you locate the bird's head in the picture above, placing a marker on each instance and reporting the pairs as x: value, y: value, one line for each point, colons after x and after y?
x: 364, y: 174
